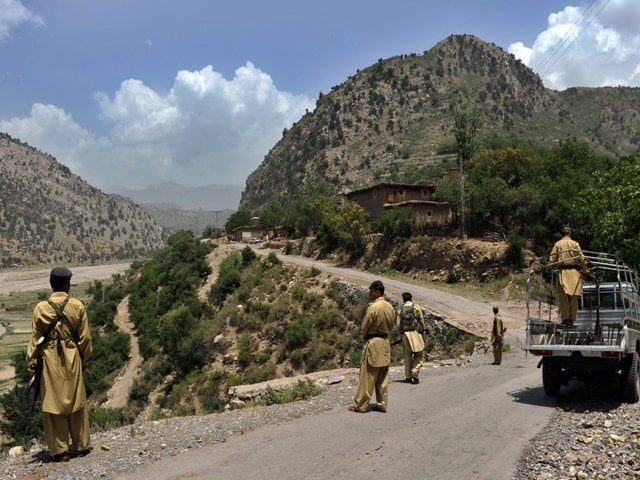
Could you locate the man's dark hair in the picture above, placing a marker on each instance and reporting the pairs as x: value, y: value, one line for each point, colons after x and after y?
x: 377, y: 286
x: 57, y: 283
x: 566, y: 230
x: 406, y: 297
x: 495, y: 309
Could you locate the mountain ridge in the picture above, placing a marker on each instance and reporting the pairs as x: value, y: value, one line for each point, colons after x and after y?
x: 170, y: 194
x: 49, y: 215
x: 396, y: 117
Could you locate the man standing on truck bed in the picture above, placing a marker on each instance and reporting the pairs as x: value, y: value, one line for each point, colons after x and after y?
x: 568, y: 254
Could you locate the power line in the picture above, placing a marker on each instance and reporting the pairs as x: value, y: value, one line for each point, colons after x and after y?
x: 574, y: 26
x: 586, y: 19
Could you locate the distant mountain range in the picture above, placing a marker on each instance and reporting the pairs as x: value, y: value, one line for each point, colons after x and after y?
x: 170, y: 195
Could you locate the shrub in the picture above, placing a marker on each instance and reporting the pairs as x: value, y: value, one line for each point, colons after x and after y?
x: 301, y: 391
x: 298, y: 334
x: 453, y: 276
x: 248, y: 255
x: 514, y: 255
x: 109, y: 418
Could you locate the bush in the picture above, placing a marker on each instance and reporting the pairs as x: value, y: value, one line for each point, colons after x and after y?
x: 301, y: 391
x: 514, y: 255
x: 18, y: 421
x: 298, y: 334
x: 248, y: 256
x: 109, y: 418
x: 453, y: 276
x: 139, y: 392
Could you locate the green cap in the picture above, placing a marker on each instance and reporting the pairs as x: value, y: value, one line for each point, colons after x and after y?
x: 61, y: 272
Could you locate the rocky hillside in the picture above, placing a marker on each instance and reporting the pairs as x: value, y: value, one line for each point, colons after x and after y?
x: 394, y: 121
x: 48, y: 214
x: 174, y: 218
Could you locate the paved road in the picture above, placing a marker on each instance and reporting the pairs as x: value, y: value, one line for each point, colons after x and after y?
x: 472, y: 423
x: 469, y: 424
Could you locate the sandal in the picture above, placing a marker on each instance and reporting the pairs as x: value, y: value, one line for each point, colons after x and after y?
x: 353, y: 408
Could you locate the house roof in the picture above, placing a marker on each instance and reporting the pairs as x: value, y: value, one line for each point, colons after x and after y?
x: 415, y: 202
x: 412, y: 186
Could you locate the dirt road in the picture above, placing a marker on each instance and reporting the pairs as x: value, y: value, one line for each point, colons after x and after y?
x: 473, y: 316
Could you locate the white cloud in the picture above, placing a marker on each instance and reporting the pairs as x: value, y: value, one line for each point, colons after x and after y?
x: 592, y: 46
x: 14, y: 13
x: 205, y: 130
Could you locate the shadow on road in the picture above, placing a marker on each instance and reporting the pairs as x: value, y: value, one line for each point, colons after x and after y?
x: 533, y: 396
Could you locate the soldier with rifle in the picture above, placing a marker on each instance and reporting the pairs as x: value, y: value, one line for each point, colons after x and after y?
x: 58, y: 352
x: 411, y: 326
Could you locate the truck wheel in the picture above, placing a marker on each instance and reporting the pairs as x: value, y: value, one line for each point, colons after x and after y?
x: 631, y: 385
x: 551, y: 379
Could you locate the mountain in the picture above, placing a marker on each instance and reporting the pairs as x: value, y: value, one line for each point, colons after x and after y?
x: 209, y: 197
x: 49, y: 215
x: 174, y: 218
x: 394, y: 119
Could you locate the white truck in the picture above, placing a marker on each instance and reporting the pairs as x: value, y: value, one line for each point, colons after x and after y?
x: 604, y: 342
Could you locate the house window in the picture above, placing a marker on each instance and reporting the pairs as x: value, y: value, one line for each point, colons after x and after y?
x: 428, y: 213
x: 425, y: 193
x: 375, y: 194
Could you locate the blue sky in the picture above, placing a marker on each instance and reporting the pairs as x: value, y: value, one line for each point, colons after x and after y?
x: 135, y: 93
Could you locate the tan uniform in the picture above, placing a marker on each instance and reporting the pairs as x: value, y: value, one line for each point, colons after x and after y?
x: 62, y: 390
x: 497, y: 339
x: 571, y: 262
x: 376, y: 355
x: 413, y: 345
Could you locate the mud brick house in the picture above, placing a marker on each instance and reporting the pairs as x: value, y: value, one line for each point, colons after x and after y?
x: 431, y: 216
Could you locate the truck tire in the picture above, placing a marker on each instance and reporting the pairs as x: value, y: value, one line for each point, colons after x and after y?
x: 551, y: 380
x: 631, y: 380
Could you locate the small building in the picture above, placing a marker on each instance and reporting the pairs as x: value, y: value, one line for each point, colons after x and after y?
x: 418, y: 198
x: 245, y: 233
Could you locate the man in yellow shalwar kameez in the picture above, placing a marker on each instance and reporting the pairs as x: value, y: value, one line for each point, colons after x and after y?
x: 65, y: 350
x: 571, y: 263
x: 376, y: 353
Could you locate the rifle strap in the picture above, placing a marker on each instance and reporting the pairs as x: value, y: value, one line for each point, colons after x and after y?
x: 59, y: 309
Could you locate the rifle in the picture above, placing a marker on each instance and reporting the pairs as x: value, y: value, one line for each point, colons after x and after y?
x: 34, y: 382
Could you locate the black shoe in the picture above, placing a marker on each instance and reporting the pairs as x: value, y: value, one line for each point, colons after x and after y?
x: 414, y: 381
x: 62, y: 457
x: 407, y: 380
x: 82, y: 453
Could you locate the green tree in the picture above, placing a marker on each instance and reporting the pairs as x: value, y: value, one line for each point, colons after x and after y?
x: 467, y: 118
x: 238, y: 219
x: 395, y: 223
x: 271, y: 215
x: 608, y: 212
x: 306, y: 212
x: 344, y: 226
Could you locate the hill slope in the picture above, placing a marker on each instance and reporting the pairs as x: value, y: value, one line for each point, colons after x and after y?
x: 48, y: 214
x: 394, y: 118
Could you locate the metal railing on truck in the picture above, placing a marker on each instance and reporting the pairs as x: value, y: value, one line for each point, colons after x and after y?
x: 609, y: 305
